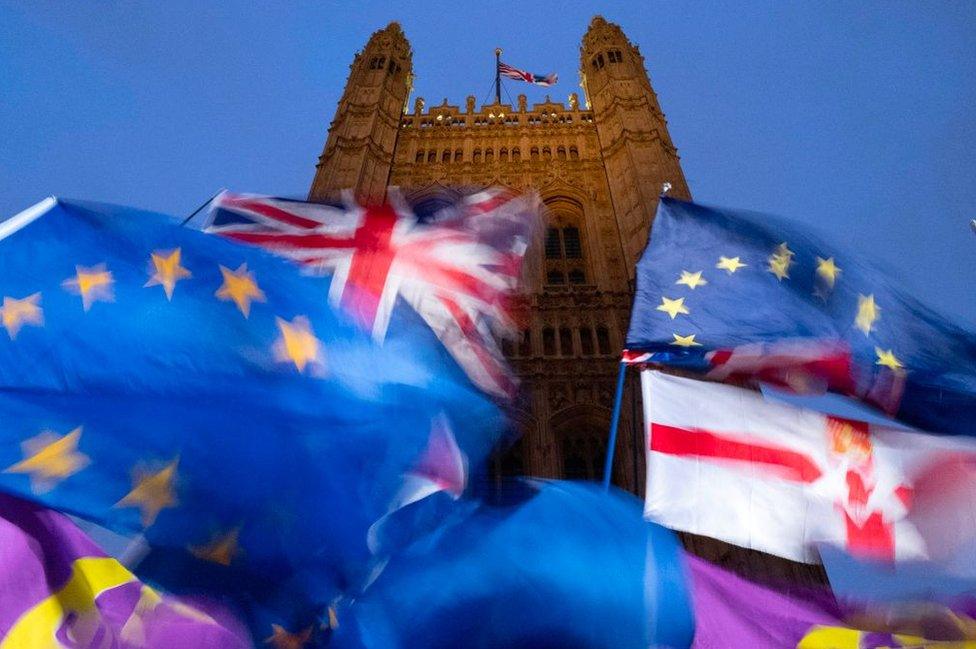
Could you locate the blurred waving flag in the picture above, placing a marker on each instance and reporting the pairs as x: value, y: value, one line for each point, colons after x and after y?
x: 725, y: 463
x: 547, y: 564
x: 58, y: 589
x: 739, y: 296
x: 509, y: 72
x: 731, y: 611
x: 165, y: 382
x: 456, y: 271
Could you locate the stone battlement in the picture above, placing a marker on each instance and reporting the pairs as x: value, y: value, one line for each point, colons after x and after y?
x: 545, y: 113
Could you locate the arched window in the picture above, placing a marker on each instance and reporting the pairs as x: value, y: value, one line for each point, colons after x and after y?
x: 477, y: 155
x: 566, y: 341
x: 380, y: 63
x: 547, y: 153
x: 549, y: 341
x: 534, y: 153
x: 420, y: 155
x: 489, y: 155
x: 561, y: 152
x: 614, y: 56
x: 446, y: 155
x: 432, y: 156
x: 458, y: 155
x: 584, y: 451
x: 586, y: 341
x: 603, y: 340
x: 573, y: 153
x: 516, y: 155
x: 503, y: 154
x: 525, y: 344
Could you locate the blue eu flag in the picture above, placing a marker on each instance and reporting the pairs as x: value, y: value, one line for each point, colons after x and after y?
x: 201, y: 393
x: 739, y: 295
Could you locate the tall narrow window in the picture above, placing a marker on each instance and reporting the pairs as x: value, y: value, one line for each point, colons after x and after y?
x: 573, y: 153
x: 420, y: 156
x: 525, y: 345
x: 576, y: 276
x: 561, y: 152
x: 555, y: 277
x: 547, y: 153
x: 549, y: 341
x: 571, y: 241
x: 566, y: 341
x: 586, y: 341
x: 446, y: 156
x: 516, y: 155
x: 489, y: 155
x: 477, y: 155
x: 553, y: 246
x: 503, y: 154
x: 534, y: 153
x: 603, y: 340
x: 458, y: 155
x: 432, y: 156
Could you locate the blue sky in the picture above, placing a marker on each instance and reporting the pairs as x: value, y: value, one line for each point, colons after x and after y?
x: 857, y: 118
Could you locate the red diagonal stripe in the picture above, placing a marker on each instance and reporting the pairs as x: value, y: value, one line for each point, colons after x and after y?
x: 695, y: 442
x: 270, y: 211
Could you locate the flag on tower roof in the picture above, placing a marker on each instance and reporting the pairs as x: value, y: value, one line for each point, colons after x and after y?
x: 509, y: 72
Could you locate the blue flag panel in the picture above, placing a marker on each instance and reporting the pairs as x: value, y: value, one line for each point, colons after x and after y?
x: 745, y: 296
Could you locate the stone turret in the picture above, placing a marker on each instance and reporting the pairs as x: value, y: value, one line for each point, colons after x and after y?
x: 636, y: 147
x: 359, y: 151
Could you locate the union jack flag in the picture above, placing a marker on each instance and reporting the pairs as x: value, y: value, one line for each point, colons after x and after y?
x: 456, y: 270
x: 509, y: 72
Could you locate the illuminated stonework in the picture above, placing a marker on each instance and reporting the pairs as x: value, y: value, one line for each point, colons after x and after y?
x: 599, y: 165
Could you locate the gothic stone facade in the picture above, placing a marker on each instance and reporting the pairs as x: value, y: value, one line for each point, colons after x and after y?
x: 599, y: 165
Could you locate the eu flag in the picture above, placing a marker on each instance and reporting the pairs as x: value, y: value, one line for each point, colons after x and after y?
x: 739, y: 295
x: 165, y: 382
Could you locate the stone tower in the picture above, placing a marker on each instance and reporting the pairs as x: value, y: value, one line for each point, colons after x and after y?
x: 359, y: 151
x: 634, y: 141
x: 598, y: 164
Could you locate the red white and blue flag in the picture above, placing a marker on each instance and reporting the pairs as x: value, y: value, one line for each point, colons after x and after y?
x: 457, y: 271
x: 507, y: 71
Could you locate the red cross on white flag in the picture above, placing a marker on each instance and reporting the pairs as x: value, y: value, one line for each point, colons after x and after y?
x: 723, y: 462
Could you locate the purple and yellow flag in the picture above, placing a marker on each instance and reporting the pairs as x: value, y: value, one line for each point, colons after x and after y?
x: 58, y: 589
x: 732, y: 612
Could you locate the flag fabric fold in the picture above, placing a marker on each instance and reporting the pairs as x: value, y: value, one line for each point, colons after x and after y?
x: 204, y: 394
x: 509, y: 72
x: 739, y: 296
x: 725, y: 463
x: 545, y: 564
x: 732, y: 612
x: 57, y: 588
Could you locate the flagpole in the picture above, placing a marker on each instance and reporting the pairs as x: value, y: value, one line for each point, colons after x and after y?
x: 614, y: 419
x: 498, y: 78
x: 207, y: 202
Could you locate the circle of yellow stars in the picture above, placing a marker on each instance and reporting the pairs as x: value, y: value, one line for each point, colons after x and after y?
x: 779, y: 264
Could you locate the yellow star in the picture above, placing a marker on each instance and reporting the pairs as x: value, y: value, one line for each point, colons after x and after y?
x: 16, y: 313
x: 691, y: 280
x: 887, y: 359
x: 92, y: 284
x: 165, y: 270
x: 867, y: 313
x: 221, y: 549
x: 151, y: 492
x: 673, y: 307
x: 281, y: 638
x: 730, y: 264
x: 240, y: 287
x: 685, y: 341
x: 298, y: 343
x: 828, y: 270
x: 49, y: 459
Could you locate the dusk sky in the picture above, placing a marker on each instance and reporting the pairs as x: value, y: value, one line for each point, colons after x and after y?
x: 857, y: 118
